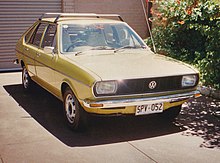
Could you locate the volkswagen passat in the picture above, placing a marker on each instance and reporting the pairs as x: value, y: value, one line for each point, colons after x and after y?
x: 97, y: 64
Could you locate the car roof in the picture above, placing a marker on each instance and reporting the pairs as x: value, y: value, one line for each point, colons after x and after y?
x: 82, y: 20
x: 81, y: 17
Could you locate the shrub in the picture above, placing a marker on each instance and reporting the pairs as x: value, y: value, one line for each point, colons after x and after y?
x: 189, y: 30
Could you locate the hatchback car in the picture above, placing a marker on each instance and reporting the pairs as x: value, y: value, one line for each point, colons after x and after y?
x: 97, y: 64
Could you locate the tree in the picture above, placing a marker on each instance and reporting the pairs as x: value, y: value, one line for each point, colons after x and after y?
x: 189, y: 30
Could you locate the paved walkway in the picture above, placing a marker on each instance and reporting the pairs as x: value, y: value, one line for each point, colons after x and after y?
x: 32, y: 129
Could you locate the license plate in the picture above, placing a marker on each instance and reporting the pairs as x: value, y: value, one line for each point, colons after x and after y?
x: 149, y: 109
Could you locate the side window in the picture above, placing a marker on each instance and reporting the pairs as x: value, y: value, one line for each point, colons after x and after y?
x: 49, y: 36
x: 28, y: 35
x: 36, y: 37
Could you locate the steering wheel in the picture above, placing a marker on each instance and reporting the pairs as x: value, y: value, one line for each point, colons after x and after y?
x: 76, y: 43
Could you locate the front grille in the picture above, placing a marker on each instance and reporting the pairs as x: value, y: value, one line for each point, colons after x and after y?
x: 141, y: 86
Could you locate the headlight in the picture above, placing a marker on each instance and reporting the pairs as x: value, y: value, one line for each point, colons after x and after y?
x: 189, y: 80
x: 105, y: 87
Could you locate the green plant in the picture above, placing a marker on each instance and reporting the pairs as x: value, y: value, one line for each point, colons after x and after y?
x: 189, y: 30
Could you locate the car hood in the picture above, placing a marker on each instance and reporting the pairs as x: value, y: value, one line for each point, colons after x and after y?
x: 130, y: 64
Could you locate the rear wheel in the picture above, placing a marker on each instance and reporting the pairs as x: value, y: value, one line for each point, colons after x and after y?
x: 171, y: 113
x: 75, y: 115
x: 26, y: 79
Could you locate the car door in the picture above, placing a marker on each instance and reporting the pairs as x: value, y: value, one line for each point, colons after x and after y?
x: 33, y: 46
x: 29, y: 50
x: 45, y: 61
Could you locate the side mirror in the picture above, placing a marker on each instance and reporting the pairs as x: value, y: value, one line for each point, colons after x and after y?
x: 49, y: 50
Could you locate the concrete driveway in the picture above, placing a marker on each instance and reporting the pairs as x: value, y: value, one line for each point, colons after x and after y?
x: 32, y: 129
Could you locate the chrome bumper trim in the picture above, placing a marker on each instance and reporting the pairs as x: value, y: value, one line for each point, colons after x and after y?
x: 140, y: 101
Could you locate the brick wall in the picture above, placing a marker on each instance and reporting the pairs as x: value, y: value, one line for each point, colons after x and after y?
x: 130, y: 10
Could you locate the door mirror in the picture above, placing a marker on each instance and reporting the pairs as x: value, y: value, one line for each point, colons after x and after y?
x: 49, y: 50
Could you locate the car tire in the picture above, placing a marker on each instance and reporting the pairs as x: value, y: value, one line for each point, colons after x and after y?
x: 74, y: 114
x: 26, y: 79
x: 170, y: 114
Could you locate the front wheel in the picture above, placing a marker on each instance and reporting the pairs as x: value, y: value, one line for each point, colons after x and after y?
x: 75, y: 116
x: 26, y: 79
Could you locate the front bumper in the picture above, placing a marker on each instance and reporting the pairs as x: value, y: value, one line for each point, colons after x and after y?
x: 120, y: 103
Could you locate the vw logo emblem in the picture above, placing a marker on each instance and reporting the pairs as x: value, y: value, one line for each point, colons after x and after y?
x: 152, y: 85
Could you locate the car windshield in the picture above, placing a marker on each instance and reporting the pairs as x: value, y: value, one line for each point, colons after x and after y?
x: 80, y: 37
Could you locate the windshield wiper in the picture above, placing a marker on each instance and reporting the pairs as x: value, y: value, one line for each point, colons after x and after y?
x: 127, y: 47
x: 102, y: 48
x: 110, y: 48
x: 77, y: 53
x: 95, y: 48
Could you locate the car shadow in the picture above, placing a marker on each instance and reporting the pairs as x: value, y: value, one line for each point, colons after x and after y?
x: 47, y: 111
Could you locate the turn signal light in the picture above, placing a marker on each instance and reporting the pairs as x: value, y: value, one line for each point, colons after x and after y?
x: 197, y: 95
x: 96, y: 105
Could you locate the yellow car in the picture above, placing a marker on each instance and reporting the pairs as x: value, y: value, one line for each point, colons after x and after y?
x: 97, y: 64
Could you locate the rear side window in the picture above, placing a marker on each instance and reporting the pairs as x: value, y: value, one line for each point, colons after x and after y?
x: 28, y: 35
x: 37, y: 35
x: 49, y: 36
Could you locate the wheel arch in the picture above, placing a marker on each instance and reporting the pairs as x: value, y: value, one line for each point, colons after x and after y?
x: 80, y: 90
x: 66, y: 84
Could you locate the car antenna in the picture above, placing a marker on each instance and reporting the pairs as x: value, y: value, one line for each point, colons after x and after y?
x: 148, y: 25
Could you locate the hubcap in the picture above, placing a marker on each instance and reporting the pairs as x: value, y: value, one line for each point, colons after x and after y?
x: 25, y: 78
x: 70, y: 108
